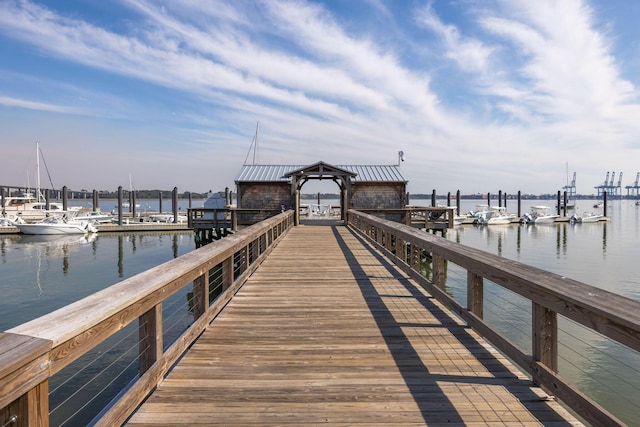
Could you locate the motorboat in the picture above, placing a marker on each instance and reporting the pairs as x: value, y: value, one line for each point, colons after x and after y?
x: 168, y: 218
x: 499, y: 215
x: 540, y: 215
x: 93, y: 216
x: 492, y: 215
x: 8, y: 224
x: 480, y: 215
x: 599, y: 204
x: 57, y: 224
x: 586, y: 217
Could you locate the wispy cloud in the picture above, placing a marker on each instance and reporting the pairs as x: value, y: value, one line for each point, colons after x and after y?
x: 455, y: 91
x: 39, y: 106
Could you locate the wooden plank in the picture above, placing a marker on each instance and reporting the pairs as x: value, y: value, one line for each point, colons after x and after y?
x: 326, y: 331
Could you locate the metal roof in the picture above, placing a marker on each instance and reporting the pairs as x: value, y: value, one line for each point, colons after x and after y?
x: 277, y: 173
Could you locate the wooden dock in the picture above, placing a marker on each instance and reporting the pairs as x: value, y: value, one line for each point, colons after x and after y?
x: 327, y: 331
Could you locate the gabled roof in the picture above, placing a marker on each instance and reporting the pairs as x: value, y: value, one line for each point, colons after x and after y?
x: 283, y: 173
x: 320, y: 169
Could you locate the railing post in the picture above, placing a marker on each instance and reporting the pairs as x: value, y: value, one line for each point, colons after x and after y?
x: 545, y: 336
x: 227, y: 273
x: 200, y: 295
x: 24, y: 380
x: 150, y: 337
x: 438, y: 271
x: 415, y: 257
x: 475, y: 294
x: 399, y: 249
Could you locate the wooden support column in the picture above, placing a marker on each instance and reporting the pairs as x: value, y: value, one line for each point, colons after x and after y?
x: 175, y: 204
x: 545, y: 337
x: 200, y: 295
x: 227, y: 273
x: 150, y: 337
x: 439, y: 277
x: 400, y: 251
x: 24, y: 380
x: 475, y: 294
x: 65, y: 198
x: 120, y: 205
x: 415, y: 257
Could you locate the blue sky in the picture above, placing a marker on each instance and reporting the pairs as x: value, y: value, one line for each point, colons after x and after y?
x: 481, y: 95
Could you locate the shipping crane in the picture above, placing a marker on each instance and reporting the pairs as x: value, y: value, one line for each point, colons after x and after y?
x: 602, y: 188
x: 617, y: 190
x: 632, y: 190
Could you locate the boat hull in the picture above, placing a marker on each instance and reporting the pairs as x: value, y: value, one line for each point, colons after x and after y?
x: 48, y: 229
x: 593, y: 218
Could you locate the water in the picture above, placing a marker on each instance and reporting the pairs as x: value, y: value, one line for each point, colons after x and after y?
x: 43, y: 273
x: 40, y: 274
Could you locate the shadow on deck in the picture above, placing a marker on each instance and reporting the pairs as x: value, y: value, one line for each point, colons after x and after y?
x: 329, y: 331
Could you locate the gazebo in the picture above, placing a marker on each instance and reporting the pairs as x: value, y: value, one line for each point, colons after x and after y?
x: 272, y: 187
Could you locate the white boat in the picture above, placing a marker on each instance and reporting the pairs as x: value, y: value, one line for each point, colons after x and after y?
x: 30, y: 209
x: 480, y: 215
x: 97, y: 216
x: 598, y: 205
x: 168, y: 218
x: 459, y: 219
x: 540, y: 215
x: 499, y: 215
x: 587, y: 217
x: 57, y: 225
x: 571, y: 205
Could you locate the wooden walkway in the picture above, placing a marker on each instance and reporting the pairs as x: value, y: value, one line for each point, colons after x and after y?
x: 329, y: 332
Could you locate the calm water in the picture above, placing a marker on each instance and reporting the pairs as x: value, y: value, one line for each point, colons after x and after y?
x: 43, y: 273
x: 40, y: 274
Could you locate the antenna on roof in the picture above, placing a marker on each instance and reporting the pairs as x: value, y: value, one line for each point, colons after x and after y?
x: 400, y: 157
x: 254, y: 144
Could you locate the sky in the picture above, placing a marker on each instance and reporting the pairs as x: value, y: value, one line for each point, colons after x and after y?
x: 481, y: 95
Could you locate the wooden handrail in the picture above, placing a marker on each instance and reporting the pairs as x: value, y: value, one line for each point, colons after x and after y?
x: 612, y: 315
x: 58, y: 338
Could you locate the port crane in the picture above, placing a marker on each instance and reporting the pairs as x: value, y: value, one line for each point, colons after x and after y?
x: 634, y: 189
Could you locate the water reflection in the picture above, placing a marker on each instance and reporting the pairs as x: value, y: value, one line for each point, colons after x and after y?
x: 43, y: 273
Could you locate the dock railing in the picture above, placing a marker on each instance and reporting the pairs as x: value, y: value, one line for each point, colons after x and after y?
x: 32, y: 353
x: 551, y: 295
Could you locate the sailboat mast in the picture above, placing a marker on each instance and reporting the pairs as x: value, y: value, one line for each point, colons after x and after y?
x: 38, y: 171
x: 255, y: 147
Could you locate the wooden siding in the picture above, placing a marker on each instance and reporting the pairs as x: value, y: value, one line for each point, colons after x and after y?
x: 378, y: 196
x: 264, y: 195
x: 327, y: 331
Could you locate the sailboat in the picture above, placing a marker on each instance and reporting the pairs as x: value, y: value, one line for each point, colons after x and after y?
x: 29, y: 206
x: 126, y: 204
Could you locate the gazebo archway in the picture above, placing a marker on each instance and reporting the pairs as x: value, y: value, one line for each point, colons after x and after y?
x: 320, y: 171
